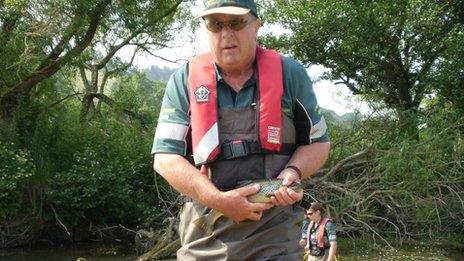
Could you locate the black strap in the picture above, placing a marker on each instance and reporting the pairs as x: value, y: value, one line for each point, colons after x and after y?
x: 241, y: 148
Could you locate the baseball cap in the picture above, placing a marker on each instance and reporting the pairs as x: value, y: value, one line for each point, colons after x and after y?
x: 232, y: 7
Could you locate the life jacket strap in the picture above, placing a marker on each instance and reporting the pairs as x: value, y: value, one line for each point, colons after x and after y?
x: 242, y: 148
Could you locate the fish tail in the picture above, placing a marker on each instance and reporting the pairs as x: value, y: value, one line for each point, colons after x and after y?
x: 206, y: 222
x: 202, y: 223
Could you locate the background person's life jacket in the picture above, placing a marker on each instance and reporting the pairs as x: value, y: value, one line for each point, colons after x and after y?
x: 320, y: 233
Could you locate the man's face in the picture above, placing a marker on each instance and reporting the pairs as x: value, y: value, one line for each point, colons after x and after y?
x: 233, y: 49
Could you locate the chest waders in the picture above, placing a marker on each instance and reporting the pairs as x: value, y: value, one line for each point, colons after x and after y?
x: 241, y: 157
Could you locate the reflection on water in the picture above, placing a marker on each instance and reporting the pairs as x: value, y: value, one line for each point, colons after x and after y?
x: 107, y: 253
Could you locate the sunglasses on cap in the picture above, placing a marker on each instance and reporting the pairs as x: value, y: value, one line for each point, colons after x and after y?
x: 309, y: 213
x: 236, y: 25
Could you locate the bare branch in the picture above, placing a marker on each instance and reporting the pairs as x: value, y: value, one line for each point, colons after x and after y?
x: 178, y: 61
x: 350, y: 85
x: 122, y: 68
x: 340, y: 164
x: 85, y: 81
x: 59, y: 221
x: 137, y: 32
x: 65, y: 98
x: 370, y: 228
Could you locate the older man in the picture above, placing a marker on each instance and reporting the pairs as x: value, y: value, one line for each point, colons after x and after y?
x: 239, y: 113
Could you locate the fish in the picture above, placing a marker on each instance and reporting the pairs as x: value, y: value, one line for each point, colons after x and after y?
x: 266, y: 190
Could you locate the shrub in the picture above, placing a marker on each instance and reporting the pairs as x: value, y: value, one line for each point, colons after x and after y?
x: 16, y: 169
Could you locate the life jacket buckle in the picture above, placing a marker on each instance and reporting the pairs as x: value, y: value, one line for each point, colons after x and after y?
x: 234, y: 149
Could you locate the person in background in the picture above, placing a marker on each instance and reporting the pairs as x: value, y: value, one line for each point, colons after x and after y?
x: 239, y: 113
x: 304, y: 231
x: 320, y: 239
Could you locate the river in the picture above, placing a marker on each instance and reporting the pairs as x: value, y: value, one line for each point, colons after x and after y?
x: 113, y: 253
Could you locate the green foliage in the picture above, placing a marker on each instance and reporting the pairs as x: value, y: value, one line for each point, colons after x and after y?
x: 92, y: 189
x: 138, y: 94
x: 16, y: 169
x: 403, y: 187
x: 450, y: 76
x: 33, y: 28
x: 39, y: 38
x: 386, y: 51
x: 132, y: 91
x: 99, y: 171
x: 96, y: 172
x: 104, y: 174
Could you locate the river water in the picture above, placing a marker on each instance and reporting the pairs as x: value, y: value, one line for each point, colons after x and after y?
x: 404, y: 253
x: 88, y: 253
x: 110, y: 253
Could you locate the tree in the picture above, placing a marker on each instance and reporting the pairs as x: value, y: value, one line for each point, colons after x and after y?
x: 450, y: 74
x: 386, y: 51
x: 139, y: 28
x: 41, y: 37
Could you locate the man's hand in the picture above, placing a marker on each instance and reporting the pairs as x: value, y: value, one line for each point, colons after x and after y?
x: 286, y: 196
x: 235, y: 205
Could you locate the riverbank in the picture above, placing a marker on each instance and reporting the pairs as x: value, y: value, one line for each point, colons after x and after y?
x: 349, y: 250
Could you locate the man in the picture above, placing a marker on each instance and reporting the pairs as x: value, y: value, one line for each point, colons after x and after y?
x: 242, y: 113
x: 320, y: 239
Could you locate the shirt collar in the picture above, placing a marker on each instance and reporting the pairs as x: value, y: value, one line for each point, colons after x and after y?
x: 219, y: 78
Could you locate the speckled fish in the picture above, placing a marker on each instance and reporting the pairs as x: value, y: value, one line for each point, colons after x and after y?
x: 266, y: 190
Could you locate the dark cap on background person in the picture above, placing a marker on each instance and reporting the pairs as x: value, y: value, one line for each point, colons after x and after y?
x: 230, y: 7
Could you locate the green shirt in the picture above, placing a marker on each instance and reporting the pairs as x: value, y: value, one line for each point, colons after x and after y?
x: 298, y: 103
x: 329, y: 236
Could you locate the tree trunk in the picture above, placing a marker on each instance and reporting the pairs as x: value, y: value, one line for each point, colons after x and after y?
x: 8, y: 105
x: 409, y: 122
x: 88, y: 106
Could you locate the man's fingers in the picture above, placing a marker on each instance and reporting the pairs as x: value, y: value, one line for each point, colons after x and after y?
x: 288, y: 176
x: 295, y: 196
x: 259, y: 207
x: 281, y: 196
x: 255, y: 216
x: 286, y: 196
x: 287, y: 180
x: 274, y: 201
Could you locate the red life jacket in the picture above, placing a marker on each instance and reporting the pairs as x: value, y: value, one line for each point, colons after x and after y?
x: 203, y: 104
x: 320, y: 233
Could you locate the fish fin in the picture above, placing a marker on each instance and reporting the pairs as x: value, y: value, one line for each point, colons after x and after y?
x: 206, y: 222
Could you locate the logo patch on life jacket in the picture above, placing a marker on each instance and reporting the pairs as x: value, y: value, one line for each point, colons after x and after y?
x: 273, y: 134
x: 202, y: 94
